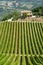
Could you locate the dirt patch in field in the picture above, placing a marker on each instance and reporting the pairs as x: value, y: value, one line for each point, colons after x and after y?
x: 39, y: 19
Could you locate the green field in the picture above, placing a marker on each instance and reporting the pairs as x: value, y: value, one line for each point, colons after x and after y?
x: 21, y: 43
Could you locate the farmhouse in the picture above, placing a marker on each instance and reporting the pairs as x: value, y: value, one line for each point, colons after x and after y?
x: 28, y: 12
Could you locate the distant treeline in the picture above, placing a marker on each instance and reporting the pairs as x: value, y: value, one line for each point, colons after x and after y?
x: 38, y: 11
x: 14, y: 14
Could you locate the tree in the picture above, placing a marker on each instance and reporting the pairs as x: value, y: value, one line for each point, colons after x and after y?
x: 16, y: 15
x: 38, y: 11
x: 24, y: 15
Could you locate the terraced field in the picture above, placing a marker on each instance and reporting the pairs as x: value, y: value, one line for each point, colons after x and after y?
x: 21, y: 43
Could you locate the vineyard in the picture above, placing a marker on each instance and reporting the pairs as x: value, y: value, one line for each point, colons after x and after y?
x: 21, y: 43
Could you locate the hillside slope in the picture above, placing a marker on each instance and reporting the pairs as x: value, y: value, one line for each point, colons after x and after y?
x: 21, y: 43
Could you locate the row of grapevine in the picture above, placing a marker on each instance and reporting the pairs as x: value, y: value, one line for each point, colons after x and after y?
x: 12, y: 59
